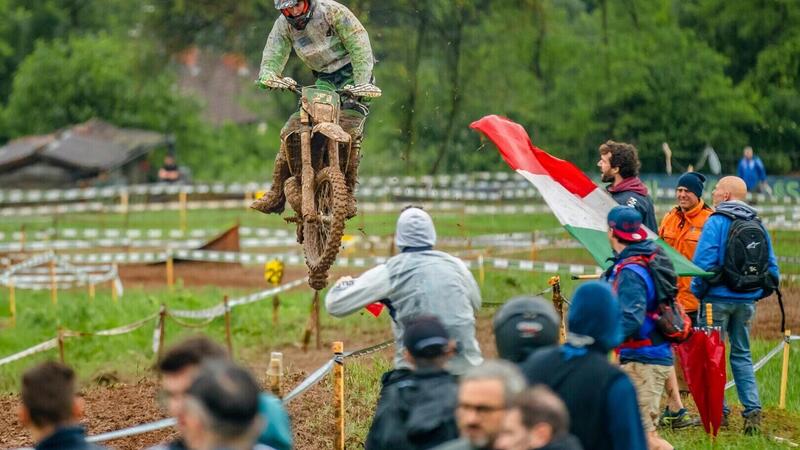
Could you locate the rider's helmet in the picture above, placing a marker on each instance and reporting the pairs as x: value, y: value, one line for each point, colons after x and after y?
x: 299, y: 21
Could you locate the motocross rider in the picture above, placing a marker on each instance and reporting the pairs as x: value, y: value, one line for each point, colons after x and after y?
x: 331, y: 41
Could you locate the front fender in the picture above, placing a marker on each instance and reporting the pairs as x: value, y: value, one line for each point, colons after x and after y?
x: 332, y: 131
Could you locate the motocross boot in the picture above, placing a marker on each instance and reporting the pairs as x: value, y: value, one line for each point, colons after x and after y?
x: 351, y: 178
x: 274, y: 201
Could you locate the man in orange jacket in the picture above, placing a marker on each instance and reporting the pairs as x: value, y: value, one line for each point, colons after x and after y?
x: 681, y: 229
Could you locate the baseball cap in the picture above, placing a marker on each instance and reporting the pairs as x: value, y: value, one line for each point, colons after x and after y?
x: 425, y: 337
x: 626, y: 223
x: 523, y: 325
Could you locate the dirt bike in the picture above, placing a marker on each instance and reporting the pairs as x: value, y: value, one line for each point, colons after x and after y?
x: 319, y: 152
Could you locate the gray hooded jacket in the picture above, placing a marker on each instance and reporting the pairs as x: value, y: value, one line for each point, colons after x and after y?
x: 418, y: 281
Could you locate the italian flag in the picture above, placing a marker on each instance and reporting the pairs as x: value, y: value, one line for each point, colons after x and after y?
x: 579, y: 204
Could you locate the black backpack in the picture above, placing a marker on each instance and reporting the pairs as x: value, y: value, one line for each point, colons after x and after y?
x: 746, y: 264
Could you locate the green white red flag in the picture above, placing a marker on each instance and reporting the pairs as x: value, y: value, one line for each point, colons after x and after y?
x: 579, y: 204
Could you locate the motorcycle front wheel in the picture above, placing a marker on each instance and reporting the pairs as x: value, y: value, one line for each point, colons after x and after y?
x: 323, y: 237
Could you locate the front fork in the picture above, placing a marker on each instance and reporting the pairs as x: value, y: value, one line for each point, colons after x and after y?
x: 309, y: 209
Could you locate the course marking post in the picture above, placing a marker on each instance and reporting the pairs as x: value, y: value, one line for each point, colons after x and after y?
x: 53, y: 285
x: 60, y: 338
x: 170, y: 271
x: 275, y: 373
x: 228, y: 338
x: 785, y: 369
x: 162, y: 328
x: 338, y: 393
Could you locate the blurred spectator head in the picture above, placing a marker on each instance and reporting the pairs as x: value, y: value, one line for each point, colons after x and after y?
x: 221, y: 408
x: 618, y: 158
x: 594, y: 319
x: 484, y: 394
x: 536, y: 418
x: 48, y: 398
x: 748, y: 152
x: 179, y: 367
x: 427, y: 342
x: 414, y: 229
x: 523, y: 325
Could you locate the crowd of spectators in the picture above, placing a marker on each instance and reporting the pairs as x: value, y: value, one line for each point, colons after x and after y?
x: 539, y: 393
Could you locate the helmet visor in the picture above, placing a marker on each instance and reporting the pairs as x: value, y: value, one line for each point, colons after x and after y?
x: 283, y: 4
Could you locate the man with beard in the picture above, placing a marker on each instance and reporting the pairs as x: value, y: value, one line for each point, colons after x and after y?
x: 619, y: 165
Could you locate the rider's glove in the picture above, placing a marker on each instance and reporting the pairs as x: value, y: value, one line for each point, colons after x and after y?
x: 367, y: 90
x: 272, y: 81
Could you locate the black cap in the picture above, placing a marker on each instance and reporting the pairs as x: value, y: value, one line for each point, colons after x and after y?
x: 425, y: 337
x: 523, y: 325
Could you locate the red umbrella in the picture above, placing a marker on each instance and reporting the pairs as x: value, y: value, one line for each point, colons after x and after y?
x: 703, y: 360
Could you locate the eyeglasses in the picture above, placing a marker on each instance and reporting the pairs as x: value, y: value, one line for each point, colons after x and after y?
x: 481, y: 410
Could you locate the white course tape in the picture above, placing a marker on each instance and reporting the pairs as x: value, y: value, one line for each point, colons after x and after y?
x: 219, y: 310
x: 38, y: 348
x: 761, y: 362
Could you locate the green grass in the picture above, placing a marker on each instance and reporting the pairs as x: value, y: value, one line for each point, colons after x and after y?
x: 131, y: 355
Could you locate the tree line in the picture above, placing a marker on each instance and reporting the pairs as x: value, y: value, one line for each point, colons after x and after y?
x: 574, y: 72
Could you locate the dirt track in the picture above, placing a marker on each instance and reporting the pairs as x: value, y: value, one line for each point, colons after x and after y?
x: 113, y: 404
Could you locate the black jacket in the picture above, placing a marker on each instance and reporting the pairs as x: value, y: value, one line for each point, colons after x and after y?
x: 67, y: 438
x: 415, y: 411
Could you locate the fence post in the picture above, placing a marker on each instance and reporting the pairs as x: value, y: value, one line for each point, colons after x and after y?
x: 162, y: 322
x: 60, y: 338
x: 275, y: 373
x: 91, y: 292
x: 53, y: 285
x: 170, y: 271
x: 558, y: 303
x: 22, y: 238
x: 338, y: 393
x: 228, y: 339
x: 12, y: 302
x: 276, y: 304
x: 785, y: 369
x: 313, y: 323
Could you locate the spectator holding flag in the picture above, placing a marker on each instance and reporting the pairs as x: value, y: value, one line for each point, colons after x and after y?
x: 619, y: 165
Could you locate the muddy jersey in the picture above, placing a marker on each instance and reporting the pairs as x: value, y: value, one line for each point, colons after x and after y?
x: 332, y: 39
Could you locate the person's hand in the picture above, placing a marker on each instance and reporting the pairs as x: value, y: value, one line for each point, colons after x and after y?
x: 273, y: 81
x: 367, y: 90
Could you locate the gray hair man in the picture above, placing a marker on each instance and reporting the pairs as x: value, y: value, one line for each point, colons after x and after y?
x: 484, y: 395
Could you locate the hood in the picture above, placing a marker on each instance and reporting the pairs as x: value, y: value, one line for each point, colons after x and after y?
x: 633, y: 184
x: 414, y: 229
x: 646, y: 248
x: 594, y: 313
x: 737, y: 208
